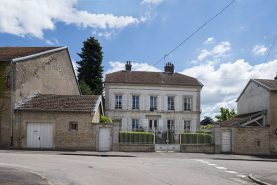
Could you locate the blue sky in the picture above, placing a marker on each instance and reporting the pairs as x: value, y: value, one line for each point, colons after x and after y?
x: 223, y: 55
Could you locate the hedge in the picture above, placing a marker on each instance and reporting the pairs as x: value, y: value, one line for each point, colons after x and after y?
x: 136, y: 137
x: 170, y: 137
x: 196, y: 138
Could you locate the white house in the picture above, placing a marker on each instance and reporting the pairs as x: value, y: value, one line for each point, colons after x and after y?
x: 153, y: 100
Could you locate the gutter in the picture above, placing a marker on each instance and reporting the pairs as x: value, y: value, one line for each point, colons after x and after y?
x: 12, y: 104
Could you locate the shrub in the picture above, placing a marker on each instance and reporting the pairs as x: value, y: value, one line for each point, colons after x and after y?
x: 104, y: 119
x: 136, y: 137
x: 170, y: 137
x: 196, y: 138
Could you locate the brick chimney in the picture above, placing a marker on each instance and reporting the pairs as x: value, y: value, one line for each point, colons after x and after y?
x: 169, y: 68
x: 128, y: 66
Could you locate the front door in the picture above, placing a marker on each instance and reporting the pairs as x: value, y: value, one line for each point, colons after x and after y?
x: 104, y: 139
x: 153, y: 125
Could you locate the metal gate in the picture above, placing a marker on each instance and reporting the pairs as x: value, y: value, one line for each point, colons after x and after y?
x: 167, y: 140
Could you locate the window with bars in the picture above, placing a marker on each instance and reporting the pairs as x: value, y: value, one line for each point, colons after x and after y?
x: 187, y: 126
x: 187, y: 104
x: 135, y: 102
x: 153, y: 102
x: 170, y: 101
x: 118, y: 102
x: 135, y: 124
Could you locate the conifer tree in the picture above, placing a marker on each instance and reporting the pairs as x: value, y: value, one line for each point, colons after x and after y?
x: 90, y: 70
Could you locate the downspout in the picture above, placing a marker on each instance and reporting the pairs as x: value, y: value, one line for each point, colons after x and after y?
x: 12, y: 105
x: 19, y: 121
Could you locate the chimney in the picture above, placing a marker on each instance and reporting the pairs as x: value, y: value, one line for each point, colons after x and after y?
x: 275, y: 76
x: 128, y: 66
x: 169, y: 68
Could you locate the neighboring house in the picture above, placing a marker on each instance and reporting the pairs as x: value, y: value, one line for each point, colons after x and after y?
x: 153, y: 100
x: 32, y: 70
x: 58, y: 121
x: 253, y: 131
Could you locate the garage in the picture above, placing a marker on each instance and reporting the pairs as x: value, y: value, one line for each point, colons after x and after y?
x: 104, y: 139
x: 39, y: 135
x: 226, y: 141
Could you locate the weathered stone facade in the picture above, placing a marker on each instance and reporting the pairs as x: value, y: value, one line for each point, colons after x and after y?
x: 246, y: 138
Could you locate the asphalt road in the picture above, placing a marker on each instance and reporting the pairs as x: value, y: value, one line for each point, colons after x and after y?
x: 147, y: 168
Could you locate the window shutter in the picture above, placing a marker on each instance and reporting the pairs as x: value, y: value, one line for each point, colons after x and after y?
x: 159, y: 103
x: 129, y: 124
x: 182, y: 125
x: 141, y: 102
x: 191, y: 104
x: 144, y: 124
x: 176, y: 126
x: 165, y: 124
x: 148, y: 103
x: 176, y: 103
x: 165, y: 103
x: 124, y: 124
x: 193, y: 126
x: 161, y: 126
x: 130, y: 102
x: 124, y: 102
x: 112, y: 101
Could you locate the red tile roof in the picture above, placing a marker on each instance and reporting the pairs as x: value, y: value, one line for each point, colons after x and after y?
x: 271, y: 84
x: 144, y: 77
x: 237, y: 118
x: 54, y: 102
x: 8, y: 53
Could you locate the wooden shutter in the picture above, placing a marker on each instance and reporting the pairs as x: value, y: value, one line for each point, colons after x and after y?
x: 112, y: 101
x: 129, y: 124
x: 165, y: 103
x: 165, y: 124
x: 124, y: 124
x: 161, y: 126
x: 182, y: 125
x: 159, y: 103
x: 144, y: 123
x: 176, y: 126
x: 141, y: 102
x: 193, y: 126
x: 124, y: 102
x: 130, y: 102
x: 148, y: 103
x: 177, y: 103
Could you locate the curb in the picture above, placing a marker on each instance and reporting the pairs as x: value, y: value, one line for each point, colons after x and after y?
x: 250, y: 176
x: 259, y: 160
x: 44, y: 178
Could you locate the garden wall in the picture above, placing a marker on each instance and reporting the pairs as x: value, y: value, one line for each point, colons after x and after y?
x: 197, y: 148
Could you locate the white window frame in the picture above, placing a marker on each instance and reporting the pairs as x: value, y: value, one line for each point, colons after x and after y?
x: 187, y: 104
x: 170, y: 102
x: 118, y: 102
x: 154, y: 101
x: 171, y: 125
x: 136, y: 124
x: 135, y: 102
x: 187, y: 125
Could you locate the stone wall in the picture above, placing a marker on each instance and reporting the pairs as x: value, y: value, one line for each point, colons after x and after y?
x: 246, y: 139
x: 273, y: 122
x: 197, y: 148
x: 137, y: 147
x: 63, y: 138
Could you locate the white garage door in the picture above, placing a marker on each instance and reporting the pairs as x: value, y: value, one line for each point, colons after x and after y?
x: 39, y: 135
x: 104, y: 139
x: 226, y: 141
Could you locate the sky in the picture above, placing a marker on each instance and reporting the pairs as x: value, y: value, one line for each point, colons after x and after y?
x: 223, y: 55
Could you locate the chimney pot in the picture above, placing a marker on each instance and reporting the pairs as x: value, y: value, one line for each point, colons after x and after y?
x: 128, y: 66
x: 169, y: 68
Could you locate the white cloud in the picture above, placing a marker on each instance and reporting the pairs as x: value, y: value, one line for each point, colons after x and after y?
x: 49, y: 42
x: 209, y: 40
x: 118, y: 66
x: 259, y: 50
x: 218, y: 51
x: 264, y: 37
x: 33, y: 17
x: 107, y: 35
x: 242, y: 27
x: 156, y: 2
x: 94, y: 32
x: 100, y: 34
x: 194, y: 62
x: 75, y: 67
x: 57, y: 42
x: 224, y: 83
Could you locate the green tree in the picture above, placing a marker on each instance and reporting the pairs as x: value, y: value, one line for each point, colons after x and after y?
x: 225, y: 114
x: 90, y: 70
x: 85, y: 89
x: 3, y: 87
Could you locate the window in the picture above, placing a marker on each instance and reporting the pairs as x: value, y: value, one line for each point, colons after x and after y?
x: 73, y: 126
x: 187, y: 126
x: 258, y: 144
x: 153, y: 124
x: 187, y: 103
x: 135, y: 102
x: 118, y: 102
x: 170, y: 124
x: 153, y: 102
x: 170, y: 103
x: 135, y: 124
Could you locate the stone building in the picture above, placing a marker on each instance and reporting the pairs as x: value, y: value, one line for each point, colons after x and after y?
x: 253, y: 131
x: 33, y: 70
x: 153, y: 100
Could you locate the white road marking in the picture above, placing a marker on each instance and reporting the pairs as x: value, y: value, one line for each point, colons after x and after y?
x: 221, y: 168
x: 212, y: 164
x: 205, y: 162
x: 199, y: 160
x: 243, y: 176
x: 231, y: 172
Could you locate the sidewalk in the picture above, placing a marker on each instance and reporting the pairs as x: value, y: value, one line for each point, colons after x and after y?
x: 264, y: 178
